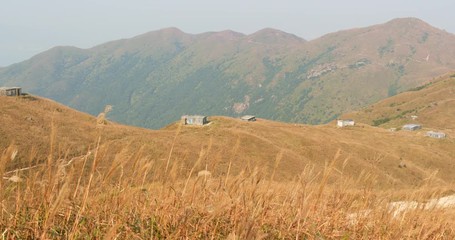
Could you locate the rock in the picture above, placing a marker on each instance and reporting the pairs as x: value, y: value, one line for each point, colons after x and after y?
x: 204, y: 173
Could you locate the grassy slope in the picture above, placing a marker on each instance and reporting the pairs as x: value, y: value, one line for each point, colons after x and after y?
x: 129, y: 187
x: 226, y: 140
x: 433, y: 104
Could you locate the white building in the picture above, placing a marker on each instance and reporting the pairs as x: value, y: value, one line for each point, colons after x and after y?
x: 10, y: 91
x: 194, y: 120
x: 249, y: 118
x: 345, y: 122
x: 436, y: 134
x: 411, y: 127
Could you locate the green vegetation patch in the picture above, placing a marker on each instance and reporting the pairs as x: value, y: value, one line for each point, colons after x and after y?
x: 418, y: 88
x: 392, y: 90
x: 424, y: 37
x: 381, y: 121
x: 387, y: 48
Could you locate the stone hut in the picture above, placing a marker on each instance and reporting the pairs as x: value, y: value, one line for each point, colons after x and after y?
x: 411, y: 127
x: 249, y: 118
x: 436, y: 134
x: 345, y: 122
x: 194, y: 120
x: 10, y: 91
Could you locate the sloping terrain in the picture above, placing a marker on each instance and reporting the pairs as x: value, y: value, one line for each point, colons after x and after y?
x: 153, y: 79
x: 432, y: 105
x: 226, y: 146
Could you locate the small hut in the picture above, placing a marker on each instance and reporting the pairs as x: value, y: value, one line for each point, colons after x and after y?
x: 194, y: 120
x: 248, y: 118
x: 345, y: 122
x: 411, y: 127
x: 436, y: 134
x: 10, y: 91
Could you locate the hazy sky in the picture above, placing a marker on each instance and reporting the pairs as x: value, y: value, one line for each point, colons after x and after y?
x: 28, y: 27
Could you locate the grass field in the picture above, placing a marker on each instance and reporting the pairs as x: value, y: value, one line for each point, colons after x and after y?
x: 72, y: 198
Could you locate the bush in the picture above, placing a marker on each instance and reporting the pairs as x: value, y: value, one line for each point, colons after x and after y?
x: 380, y: 121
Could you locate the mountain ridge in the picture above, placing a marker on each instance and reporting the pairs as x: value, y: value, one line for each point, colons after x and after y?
x: 151, y: 81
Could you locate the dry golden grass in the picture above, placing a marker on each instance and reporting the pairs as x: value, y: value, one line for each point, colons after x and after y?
x: 433, y: 104
x: 86, y: 202
x: 65, y: 177
x: 28, y: 124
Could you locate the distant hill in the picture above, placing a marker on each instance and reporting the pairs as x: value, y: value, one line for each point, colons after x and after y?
x: 153, y: 79
x: 226, y: 144
x: 431, y: 104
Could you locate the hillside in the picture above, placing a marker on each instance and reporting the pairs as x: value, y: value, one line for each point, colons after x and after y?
x: 66, y: 176
x: 225, y: 143
x: 153, y: 79
x: 432, y: 104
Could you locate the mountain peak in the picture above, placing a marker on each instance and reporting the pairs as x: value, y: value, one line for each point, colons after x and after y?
x: 164, y: 33
x: 171, y: 30
x: 270, y: 35
x: 408, y: 22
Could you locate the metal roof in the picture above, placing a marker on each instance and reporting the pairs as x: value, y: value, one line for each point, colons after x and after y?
x: 435, y: 133
x: 8, y: 88
x: 412, y: 125
x: 194, y: 116
x: 246, y: 117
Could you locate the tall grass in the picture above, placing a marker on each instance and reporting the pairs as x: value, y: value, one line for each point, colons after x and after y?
x: 138, y: 198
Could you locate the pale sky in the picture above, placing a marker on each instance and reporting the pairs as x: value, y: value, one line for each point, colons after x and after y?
x: 28, y: 27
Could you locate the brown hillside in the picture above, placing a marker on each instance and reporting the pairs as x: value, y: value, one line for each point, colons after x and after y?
x: 432, y: 103
x: 373, y: 63
x: 30, y: 122
x: 26, y: 122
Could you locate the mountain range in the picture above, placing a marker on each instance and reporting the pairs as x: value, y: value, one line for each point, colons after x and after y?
x: 38, y: 126
x: 153, y: 79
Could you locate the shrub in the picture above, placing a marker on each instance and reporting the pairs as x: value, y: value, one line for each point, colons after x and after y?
x: 380, y: 121
x: 418, y: 88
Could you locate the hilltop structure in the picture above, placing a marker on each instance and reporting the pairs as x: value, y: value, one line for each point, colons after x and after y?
x: 345, y: 122
x: 10, y: 91
x: 249, y: 118
x: 194, y: 120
